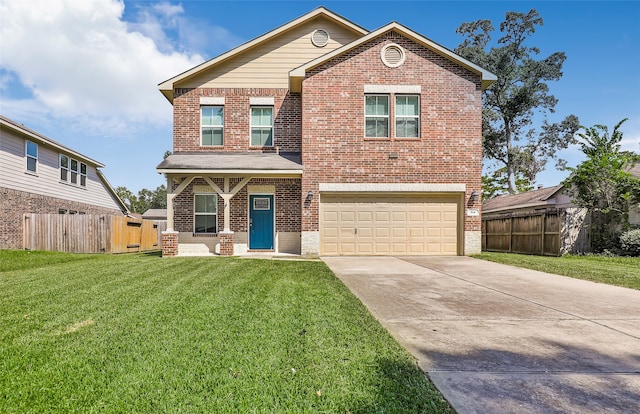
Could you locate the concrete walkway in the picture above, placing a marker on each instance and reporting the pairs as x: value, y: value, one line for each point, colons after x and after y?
x: 500, y: 339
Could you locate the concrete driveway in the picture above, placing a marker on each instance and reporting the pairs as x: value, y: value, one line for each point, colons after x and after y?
x: 500, y: 339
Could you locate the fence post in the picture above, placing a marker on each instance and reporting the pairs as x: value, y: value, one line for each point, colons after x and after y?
x: 510, y: 234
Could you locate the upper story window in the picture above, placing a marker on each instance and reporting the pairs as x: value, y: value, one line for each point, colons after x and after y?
x: 31, y: 150
x: 205, y: 212
x: 72, y: 171
x: 407, y: 112
x: 262, y: 126
x: 376, y: 116
x: 212, y: 125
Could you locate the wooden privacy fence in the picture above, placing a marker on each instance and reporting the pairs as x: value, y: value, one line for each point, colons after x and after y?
x: 537, y: 234
x: 80, y: 233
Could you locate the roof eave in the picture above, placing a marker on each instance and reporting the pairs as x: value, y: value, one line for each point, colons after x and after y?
x: 487, y: 78
x: 230, y: 172
x: 21, y: 129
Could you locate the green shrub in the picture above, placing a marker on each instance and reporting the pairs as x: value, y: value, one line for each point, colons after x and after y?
x: 630, y: 242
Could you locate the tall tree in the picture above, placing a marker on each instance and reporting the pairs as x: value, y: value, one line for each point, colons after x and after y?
x: 497, y: 184
x: 510, y: 103
x: 145, y: 199
x: 603, y: 183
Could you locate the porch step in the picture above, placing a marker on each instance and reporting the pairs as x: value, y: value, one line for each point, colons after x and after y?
x: 194, y: 249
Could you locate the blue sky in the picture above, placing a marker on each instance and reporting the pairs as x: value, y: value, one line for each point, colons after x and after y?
x: 85, y: 72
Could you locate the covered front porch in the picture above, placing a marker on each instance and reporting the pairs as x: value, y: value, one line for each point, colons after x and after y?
x: 258, y: 195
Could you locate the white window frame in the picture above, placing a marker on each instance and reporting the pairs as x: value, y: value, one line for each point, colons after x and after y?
x: 400, y: 117
x: 203, y: 126
x: 67, y: 173
x: 31, y: 156
x: 387, y: 116
x: 196, y: 213
x: 269, y: 127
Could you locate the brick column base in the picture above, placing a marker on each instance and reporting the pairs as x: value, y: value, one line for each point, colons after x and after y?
x: 226, y: 243
x: 169, y: 243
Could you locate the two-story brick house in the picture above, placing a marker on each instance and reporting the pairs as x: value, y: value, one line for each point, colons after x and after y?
x: 323, y: 138
x: 40, y: 175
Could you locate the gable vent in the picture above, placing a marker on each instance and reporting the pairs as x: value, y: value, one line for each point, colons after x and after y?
x: 392, y: 55
x: 320, y: 38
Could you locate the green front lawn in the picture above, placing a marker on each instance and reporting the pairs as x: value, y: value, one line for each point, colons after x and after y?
x: 137, y: 333
x: 618, y: 271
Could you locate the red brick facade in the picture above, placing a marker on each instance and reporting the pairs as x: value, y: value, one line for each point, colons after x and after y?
x: 14, y: 204
x: 287, y: 205
x: 325, y: 123
x: 334, y: 149
x: 237, y: 110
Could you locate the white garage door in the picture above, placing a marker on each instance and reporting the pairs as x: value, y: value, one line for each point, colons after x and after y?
x: 388, y: 225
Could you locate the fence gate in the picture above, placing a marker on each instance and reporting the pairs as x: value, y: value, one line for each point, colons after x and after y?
x: 80, y: 233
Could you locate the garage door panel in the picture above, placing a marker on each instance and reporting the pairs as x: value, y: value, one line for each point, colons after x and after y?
x: 388, y: 224
x: 383, y: 232
x: 399, y: 216
x: 347, y: 217
x: 330, y: 232
x: 383, y: 217
x: 398, y: 232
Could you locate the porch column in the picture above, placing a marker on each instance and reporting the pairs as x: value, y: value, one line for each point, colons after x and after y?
x: 170, y: 198
x: 169, y: 241
x: 227, y: 211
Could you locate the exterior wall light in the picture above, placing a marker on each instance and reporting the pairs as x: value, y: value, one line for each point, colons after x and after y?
x: 474, y: 197
x: 310, y: 195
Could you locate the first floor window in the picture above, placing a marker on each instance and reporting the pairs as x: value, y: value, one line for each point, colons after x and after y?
x: 31, y: 150
x: 262, y: 126
x: 376, y: 116
x: 407, y: 116
x: 205, y: 213
x: 212, y: 125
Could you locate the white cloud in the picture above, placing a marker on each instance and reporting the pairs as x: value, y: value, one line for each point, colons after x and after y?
x: 82, y: 62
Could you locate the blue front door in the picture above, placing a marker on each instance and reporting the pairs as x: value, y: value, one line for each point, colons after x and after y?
x: 261, y: 222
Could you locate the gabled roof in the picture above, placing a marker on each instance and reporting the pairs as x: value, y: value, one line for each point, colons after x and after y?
x: 44, y: 140
x: 39, y: 138
x: 155, y: 213
x: 167, y: 86
x: 531, y: 198
x: 299, y: 73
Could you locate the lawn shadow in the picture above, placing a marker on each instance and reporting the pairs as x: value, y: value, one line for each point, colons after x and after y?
x: 403, y: 388
x: 152, y: 253
x: 573, y: 379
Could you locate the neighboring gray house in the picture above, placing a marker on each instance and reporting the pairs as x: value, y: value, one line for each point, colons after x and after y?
x: 39, y: 175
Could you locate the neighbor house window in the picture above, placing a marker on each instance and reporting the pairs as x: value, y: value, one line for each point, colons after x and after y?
x: 74, y: 171
x: 31, y: 149
x: 83, y: 174
x: 71, y: 169
x: 262, y: 126
x: 64, y: 167
x: 376, y: 115
x: 407, y: 112
x: 212, y: 125
x: 205, y: 209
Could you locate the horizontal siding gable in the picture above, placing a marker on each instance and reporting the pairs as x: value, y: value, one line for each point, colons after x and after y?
x: 268, y: 65
x: 46, y: 180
